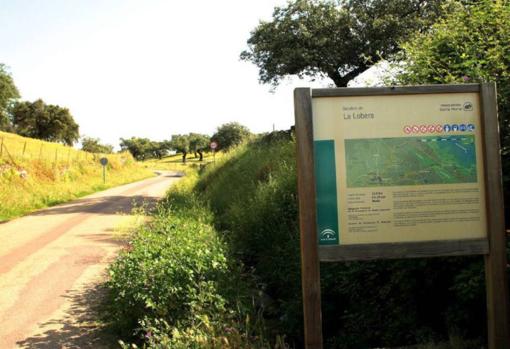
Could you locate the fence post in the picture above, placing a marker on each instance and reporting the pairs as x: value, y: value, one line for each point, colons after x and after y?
x: 24, y: 148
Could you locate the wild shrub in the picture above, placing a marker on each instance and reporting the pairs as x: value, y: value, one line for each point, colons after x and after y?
x: 253, y: 196
x: 182, y: 284
x: 177, y: 286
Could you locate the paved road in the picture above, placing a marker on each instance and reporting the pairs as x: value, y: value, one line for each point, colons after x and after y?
x: 52, y: 261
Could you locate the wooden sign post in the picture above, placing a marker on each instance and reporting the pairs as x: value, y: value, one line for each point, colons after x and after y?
x: 400, y: 172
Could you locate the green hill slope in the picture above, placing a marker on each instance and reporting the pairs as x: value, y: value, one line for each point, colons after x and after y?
x: 248, y: 201
x: 36, y: 174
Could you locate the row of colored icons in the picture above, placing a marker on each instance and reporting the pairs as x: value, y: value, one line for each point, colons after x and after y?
x: 409, y: 129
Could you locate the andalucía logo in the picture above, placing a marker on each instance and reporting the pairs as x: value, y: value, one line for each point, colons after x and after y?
x: 327, y: 235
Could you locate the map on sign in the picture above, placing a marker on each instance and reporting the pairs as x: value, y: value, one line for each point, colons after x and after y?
x: 410, y: 161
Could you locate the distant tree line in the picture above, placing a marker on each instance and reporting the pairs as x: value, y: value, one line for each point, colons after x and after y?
x: 226, y: 137
x: 56, y: 124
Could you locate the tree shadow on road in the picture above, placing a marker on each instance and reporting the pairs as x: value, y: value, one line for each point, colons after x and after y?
x: 102, y: 205
x: 78, y: 327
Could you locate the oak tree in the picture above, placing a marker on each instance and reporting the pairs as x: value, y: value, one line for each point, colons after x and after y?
x: 338, y: 39
x: 8, y: 94
x: 93, y: 145
x: 44, y: 121
x: 230, y: 134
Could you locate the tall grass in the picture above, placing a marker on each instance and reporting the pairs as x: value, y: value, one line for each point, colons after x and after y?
x: 32, y: 180
x: 253, y: 195
x: 16, y: 148
x: 178, y: 287
x: 250, y: 203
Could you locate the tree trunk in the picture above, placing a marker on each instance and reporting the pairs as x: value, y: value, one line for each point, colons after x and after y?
x: 184, y: 157
x: 343, y: 80
x: 201, y: 155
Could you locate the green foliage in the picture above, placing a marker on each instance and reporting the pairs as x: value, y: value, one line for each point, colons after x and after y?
x: 178, y: 285
x: 335, y: 38
x: 144, y: 148
x: 93, y: 145
x: 193, y: 142
x: 198, y: 143
x: 54, y: 173
x: 472, y: 44
x: 8, y: 93
x: 253, y: 196
x: 181, y: 144
x: 252, y: 193
x: 230, y: 134
x: 182, y: 284
x: 44, y: 121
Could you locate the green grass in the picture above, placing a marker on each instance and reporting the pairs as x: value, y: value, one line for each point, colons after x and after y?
x: 177, y: 286
x: 174, y: 162
x: 248, y: 203
x: 28, y: 183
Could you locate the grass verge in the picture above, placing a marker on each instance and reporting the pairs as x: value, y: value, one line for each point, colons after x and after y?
x: 245, y: 209
x: 177, y: 286
x: 29, y: 183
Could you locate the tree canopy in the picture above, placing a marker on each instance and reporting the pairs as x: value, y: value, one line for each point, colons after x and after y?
x: 8, y: 93
x: 198, y: 143
x: 144, y: 148
x: 338, y: 39
x: 181, y: 144
x: 44, y: 121
x: 230, y: 134
x: 471, y: 44
x: 93, y: 145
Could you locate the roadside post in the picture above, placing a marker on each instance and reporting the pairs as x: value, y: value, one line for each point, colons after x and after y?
x: 400, y: 172
x: 104, y: 162
x: 213, y: 146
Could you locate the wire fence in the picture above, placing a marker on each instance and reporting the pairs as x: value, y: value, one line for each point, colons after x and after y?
x: 15, y: 149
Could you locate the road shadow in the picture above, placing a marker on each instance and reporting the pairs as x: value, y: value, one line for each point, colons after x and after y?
x: 79, y: 327
x: 103, y: 205
x: 169, y: 174
x: 111, y: 204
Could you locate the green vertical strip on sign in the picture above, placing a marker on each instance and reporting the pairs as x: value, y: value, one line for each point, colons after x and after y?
x: 325, y: 187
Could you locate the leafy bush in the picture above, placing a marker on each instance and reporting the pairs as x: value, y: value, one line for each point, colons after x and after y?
x: 182, y: 283
x: 365, y: 304
x: 230, y: 134
x: 471, y: 44
x: 178, y: 286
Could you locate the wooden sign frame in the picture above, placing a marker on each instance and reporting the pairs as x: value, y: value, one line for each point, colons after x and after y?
x: 493, y: 248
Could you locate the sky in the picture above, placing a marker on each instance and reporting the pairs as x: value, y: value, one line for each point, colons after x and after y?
x: 144, y: 68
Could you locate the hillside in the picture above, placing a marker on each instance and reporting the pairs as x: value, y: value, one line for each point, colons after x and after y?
x: 243, y: 211
x: 36, y: 174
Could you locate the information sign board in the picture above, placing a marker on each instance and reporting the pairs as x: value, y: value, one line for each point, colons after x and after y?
x: 398, y: 168
x: 400, y: 172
